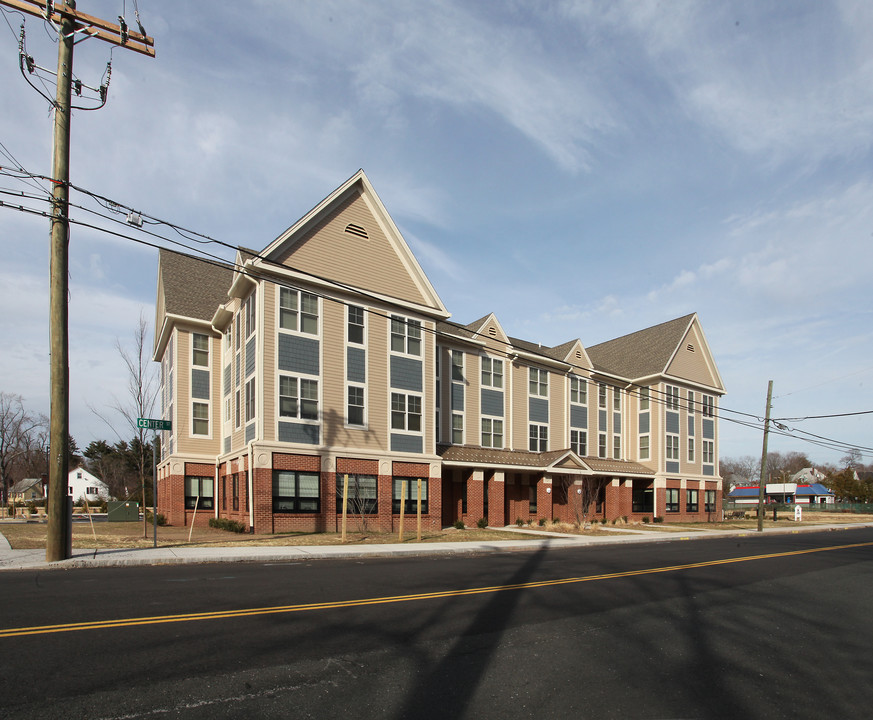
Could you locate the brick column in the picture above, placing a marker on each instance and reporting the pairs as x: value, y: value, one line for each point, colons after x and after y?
x: 475, y: 497
x: 496, y: 499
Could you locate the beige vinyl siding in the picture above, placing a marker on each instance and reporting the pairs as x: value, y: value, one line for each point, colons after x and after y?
x: 371, y: 264
x: 269, y: 331
x: 519, y: 406
x: 473, y: 398
x: 559, y: 436
x: 184, y: 442
x: 694, y: 366
x: 332, y: 383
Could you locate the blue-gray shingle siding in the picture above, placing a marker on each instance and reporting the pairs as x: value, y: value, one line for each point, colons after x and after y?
x: 406, y: 373
x: 298, y: 354
x: 538, y: 410
x: 356, y: 365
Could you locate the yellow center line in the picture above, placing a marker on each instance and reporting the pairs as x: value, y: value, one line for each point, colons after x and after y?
x: 249, y: 612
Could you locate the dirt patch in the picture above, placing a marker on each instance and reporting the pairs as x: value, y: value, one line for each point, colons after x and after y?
x: 24, y: 536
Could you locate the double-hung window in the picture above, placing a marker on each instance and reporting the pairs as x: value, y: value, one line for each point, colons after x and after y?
x: 708, y: 406
x: 362, y: 498
x: 672, y: 495
x: 709, y: 500
x: 250, y: 400
x: 356, y: 405
x: 356, y: 325
x: 200, y: 418
x: 579, y: 442
x: 405, y: 335
x: 200, y: 350
x: 691, y: 504
x: 298, y: 311
x: 492, y: 372
x: 672, y: 397
x: 492, y: 432
x: 578, y: 391
x: 672, y: 447
x: 296, y: 491
x: 539, y: 437
x: 251, y: 307
x: 691, y: 449
x: 405, y: 412
x: 538, y: 382
x: 199, y: 492
x: 298, y: 398
x: 708, y: 452
x: 411, y: 505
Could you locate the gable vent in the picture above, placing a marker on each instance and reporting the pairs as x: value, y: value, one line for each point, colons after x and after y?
x: 690, y: 347
x: 353, y: 229
x: 492, y: 331
x: 578, y: 354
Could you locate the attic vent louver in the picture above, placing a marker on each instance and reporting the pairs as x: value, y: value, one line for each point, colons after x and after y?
x: 578, y: 354
x: 492, y: 331
x: 353, y: 229
x: 690, y: 347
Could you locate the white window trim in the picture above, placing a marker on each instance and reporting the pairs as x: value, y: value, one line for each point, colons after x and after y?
x: 208, y: 404
x: 492, y: 418
x: 406, y: 431
x: 532, y: 424
x: 298, y: 377
x: 491, y: 384
x: 407, y: 323
x: 298, y: 331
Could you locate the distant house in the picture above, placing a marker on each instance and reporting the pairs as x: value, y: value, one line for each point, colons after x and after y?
x: 808, y: 476
x: 806, y: 494
x: 82, y: 484
x: 27, y: 490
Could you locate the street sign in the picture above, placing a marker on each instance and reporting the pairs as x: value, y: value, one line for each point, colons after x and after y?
x: 149, y: 424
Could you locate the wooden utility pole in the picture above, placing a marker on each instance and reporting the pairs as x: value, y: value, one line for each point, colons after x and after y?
x: 762, y: 482
x: 71, y: 24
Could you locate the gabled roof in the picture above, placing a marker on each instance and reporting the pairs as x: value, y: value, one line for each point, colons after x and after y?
x: 192, y: 288
x: 308, y: 249
x: 24, y: 485
x: 744, y: 492
x: 642, y: 353
x: 556, y: 461
x: 813, y: 489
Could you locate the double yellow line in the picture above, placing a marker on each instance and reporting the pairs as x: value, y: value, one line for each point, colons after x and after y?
x: 250, y: 612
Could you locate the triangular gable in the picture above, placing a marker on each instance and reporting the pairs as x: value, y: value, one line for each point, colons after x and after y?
x: 349, y: 238
x: 489, y: 330
x: 692, y: 359
x: 573, y: 352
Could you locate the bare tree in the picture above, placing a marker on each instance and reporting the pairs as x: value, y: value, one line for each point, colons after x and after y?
x: 142, y: 393
x: 19, y: 430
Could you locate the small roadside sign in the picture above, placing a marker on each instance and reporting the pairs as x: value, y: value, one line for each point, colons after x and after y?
x: 150, y: 424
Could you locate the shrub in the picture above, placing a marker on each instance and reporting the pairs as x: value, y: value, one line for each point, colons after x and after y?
x: 459, y: 524
x: 226, y: 524
x: 658, y: 519
x: 646, y: 520
x: 519, y: 521
x: 624, y: 519
x: 614, y: 521
x: 481, y: 523
x: 603, y: 521
x: 542, y: 522
x: 162, y: 519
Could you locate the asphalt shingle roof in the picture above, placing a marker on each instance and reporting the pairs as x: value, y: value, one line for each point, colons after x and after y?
x: 645, y: 352
x: 193, y: 288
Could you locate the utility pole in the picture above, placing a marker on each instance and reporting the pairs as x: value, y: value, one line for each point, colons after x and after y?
x: 70, y: 24
x: 762, y: 482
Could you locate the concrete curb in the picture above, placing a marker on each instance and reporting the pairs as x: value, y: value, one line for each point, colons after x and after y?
x: 35, y: 559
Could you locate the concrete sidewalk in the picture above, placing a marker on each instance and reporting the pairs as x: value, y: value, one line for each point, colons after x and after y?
x: 534, y: 540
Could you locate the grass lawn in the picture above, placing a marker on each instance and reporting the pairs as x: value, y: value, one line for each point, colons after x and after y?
x: 22, y: 536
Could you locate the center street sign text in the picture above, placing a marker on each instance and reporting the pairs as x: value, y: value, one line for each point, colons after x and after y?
x: 149, y: 424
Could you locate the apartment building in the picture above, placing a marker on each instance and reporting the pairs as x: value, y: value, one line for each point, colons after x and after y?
x: 329, y: 354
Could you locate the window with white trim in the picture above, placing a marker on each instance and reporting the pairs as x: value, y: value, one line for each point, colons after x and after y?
x: 355, y: 415
x: 644, y: 447
x: 405, y: 412
x: 251, y: 309
x: 601, y: 445
x: 691, y: 449
x: 492, y: 372
x: 672, y: 400
x: 578, y: 390
x: 708, y: 452
x: 708, y: 406
x: 538, y: 437
x: 405, y: 335
x: 250, y: 400
x: 199, y: 350
x: 616, y: 447
x: 601, y: 396
x: 457, y: 429
x: 457, y: 366
x: 645, y: 394
x: 538, y: 382
x: 579, y: 442
x: 298, y: 311
x: 691, y: 402
x: 492, y: 433
x: 355, y: 326
x: 672, y: 447
x: 298, y: 398
x: 200, y: 419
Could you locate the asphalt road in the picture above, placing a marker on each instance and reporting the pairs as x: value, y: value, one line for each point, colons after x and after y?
x: 753, y: 627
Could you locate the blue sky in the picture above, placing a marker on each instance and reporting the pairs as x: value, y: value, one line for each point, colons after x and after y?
x: 582, y: 169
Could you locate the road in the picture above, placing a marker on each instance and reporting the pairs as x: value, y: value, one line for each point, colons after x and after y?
x: 751, y: 627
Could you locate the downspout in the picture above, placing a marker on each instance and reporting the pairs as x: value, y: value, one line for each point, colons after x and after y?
x: 251, y: 489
